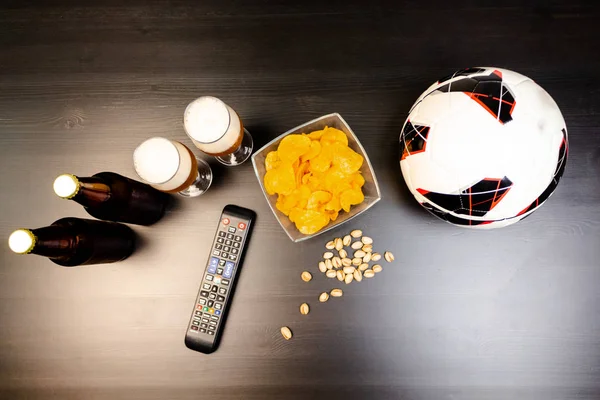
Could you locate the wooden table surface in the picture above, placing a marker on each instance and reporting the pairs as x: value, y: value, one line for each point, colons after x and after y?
x: 506, y: 314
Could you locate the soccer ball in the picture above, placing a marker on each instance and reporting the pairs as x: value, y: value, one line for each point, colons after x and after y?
x: 483, y: 148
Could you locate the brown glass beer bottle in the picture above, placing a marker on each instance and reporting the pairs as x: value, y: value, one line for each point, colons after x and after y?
x: 74, y: 241
x: 113, y: 197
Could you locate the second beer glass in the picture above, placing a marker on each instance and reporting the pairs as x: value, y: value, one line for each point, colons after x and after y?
x: 171, y: 167
x: 217, y: 130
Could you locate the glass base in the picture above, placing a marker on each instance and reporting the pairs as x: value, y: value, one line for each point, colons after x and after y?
x: 202, y: 182
x: 241, y: 154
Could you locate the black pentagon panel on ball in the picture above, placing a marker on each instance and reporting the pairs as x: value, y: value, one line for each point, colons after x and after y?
x: 476, y: 200
x: 488, y: 91
x: 413, y: 139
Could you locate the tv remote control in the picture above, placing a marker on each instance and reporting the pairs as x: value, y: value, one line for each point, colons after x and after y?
x: 218, y: 281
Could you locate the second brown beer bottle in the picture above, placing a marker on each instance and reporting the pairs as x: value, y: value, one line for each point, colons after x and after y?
x: 113, y: 197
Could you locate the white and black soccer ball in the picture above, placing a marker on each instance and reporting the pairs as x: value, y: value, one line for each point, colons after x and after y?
x: 483, y: 148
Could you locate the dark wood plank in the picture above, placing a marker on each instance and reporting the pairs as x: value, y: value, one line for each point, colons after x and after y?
x: 511, y: 313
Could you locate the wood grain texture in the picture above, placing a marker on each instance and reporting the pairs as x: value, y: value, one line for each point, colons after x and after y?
x: 506, y: 314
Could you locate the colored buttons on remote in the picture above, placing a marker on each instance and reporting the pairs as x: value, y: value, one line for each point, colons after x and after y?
x: 226, y: 221
x: 241, y: 226
x: 212, y: 265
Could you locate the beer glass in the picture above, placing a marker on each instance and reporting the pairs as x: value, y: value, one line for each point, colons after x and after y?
x: 171, y: 167
x: 217, y: 130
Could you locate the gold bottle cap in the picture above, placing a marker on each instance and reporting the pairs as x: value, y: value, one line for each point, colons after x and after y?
x: 21, y: 241
x: 66, y: 186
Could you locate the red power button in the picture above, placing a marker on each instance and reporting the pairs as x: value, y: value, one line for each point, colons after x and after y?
x: 242, y: 226
x: 225, y: 221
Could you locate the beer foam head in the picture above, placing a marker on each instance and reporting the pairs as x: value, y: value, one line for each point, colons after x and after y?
x: 21, y: 241
x: 66, y: 186
x: 206, y: 119
x: 156, y: 160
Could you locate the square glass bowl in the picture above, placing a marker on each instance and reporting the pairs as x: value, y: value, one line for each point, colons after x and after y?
x: 370, y: 188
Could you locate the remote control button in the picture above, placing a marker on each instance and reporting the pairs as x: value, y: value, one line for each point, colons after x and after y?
x: 211, y: 328
x: 206, y: 286
x: 220, y: 271
x: 202, y: 301
x: 234, y: 251
x: 214, y: 288
x: 195, y: 323
x: 214, y: 318
x: 222, y: 290
x: 225, y: 255
x: 242, y: 226
x: 217, y: 280
x: 228, y: 242
x: 198, y: 313
x: 204, y: 293
x: 238, y: 238
x: 229, y: 236
x: 222, y: 234
x: 206, y: 319
x: 202, y: 330
x: 216, y: 253
x: 221, y: 240
x: 222, y: 263
x: 233, y: 257
x: 211, y: 303
x: 219, y: 247
x: 225, y: 282
x: 199, y: 307
x: 209, y: 277
x: 221, y: 298
x: 231, y: 229
x: 213, y: 323
x: 218, y: 306
x: 228, y: 269
x: 196, y: 318
x: 236, y: 245
x: 211, y: 333
x: 226, y: 221
x: 212, y: 296
x: 217, y: 312
x: 212, y: 265
x: 205, y: 309
x: 204, y: 325
x: 226, y: 248
x: 194, y: 328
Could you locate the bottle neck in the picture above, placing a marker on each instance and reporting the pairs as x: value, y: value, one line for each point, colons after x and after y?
x: 54, y: 242
x: 92, y: 192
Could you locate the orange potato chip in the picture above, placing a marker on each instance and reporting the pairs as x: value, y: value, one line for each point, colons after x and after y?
x: 347, y: 159
x: 321, y: 162
x: 351, y: 197
x: 280, y: 180
x: 317, y: 199
x: 333, y: 215
x: 316, y: 135
x: 333, y: 204
x: 292, y: 147
x: 311, y: 221
x: 272, y: 160
x: 300, y: 171
x: 333, y: 135
x: 315, y: 149
x: 358, y: 180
